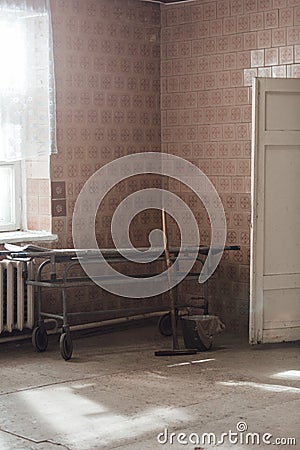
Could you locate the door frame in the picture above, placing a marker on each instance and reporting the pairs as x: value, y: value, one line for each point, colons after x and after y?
x: 259, y: 139
x: 255, y: 314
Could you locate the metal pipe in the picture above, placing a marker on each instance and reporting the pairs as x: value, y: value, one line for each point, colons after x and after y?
x: 87, y: 326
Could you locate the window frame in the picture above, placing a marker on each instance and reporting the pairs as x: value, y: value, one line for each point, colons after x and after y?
x: 16, y: 199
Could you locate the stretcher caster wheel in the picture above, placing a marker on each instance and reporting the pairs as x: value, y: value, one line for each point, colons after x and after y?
x: 40, y: 339
x: 66, y: 346
x: 165, y: 325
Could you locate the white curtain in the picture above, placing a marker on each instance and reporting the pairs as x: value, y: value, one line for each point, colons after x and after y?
x: 27, y: 88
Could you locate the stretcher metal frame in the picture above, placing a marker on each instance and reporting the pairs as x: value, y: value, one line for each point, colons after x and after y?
x: 69, y: 259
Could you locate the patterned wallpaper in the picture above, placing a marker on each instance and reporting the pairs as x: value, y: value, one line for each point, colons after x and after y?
x: 107, y: 59
x: 133, y: 76
x: 107, y: 71
x: 210, y: 52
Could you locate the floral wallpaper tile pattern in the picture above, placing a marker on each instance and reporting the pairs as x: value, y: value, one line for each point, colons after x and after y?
x: 107, y: 59
x: 107, y: 69
x: 133, y: 76
x: 210, y: 52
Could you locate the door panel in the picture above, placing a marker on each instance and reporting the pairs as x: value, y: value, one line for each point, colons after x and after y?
x: 282, y: 211
x: 283, y: 301
x: 282, y: 111
x: 275, y: 224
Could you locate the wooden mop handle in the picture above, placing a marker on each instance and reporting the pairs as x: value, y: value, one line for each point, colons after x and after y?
x: 171, y: 292
x: 166, y: 244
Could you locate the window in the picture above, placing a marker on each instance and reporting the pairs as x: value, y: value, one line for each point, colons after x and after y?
x: 27, y: 98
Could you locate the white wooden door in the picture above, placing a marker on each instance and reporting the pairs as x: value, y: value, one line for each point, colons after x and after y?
x: 275, y: 227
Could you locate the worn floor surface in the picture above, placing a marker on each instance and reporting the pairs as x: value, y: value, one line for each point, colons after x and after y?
x: 115, y: 394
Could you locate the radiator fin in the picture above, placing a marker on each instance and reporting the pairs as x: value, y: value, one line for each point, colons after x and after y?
x: 16, y: 298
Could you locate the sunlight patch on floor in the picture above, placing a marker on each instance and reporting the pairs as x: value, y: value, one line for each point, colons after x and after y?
x: 288, y: 375
x: 262, y: 386
x: 83, y: 421
x: 188, y: 363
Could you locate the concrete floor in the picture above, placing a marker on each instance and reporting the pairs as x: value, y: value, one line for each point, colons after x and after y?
x: 115, y: 394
